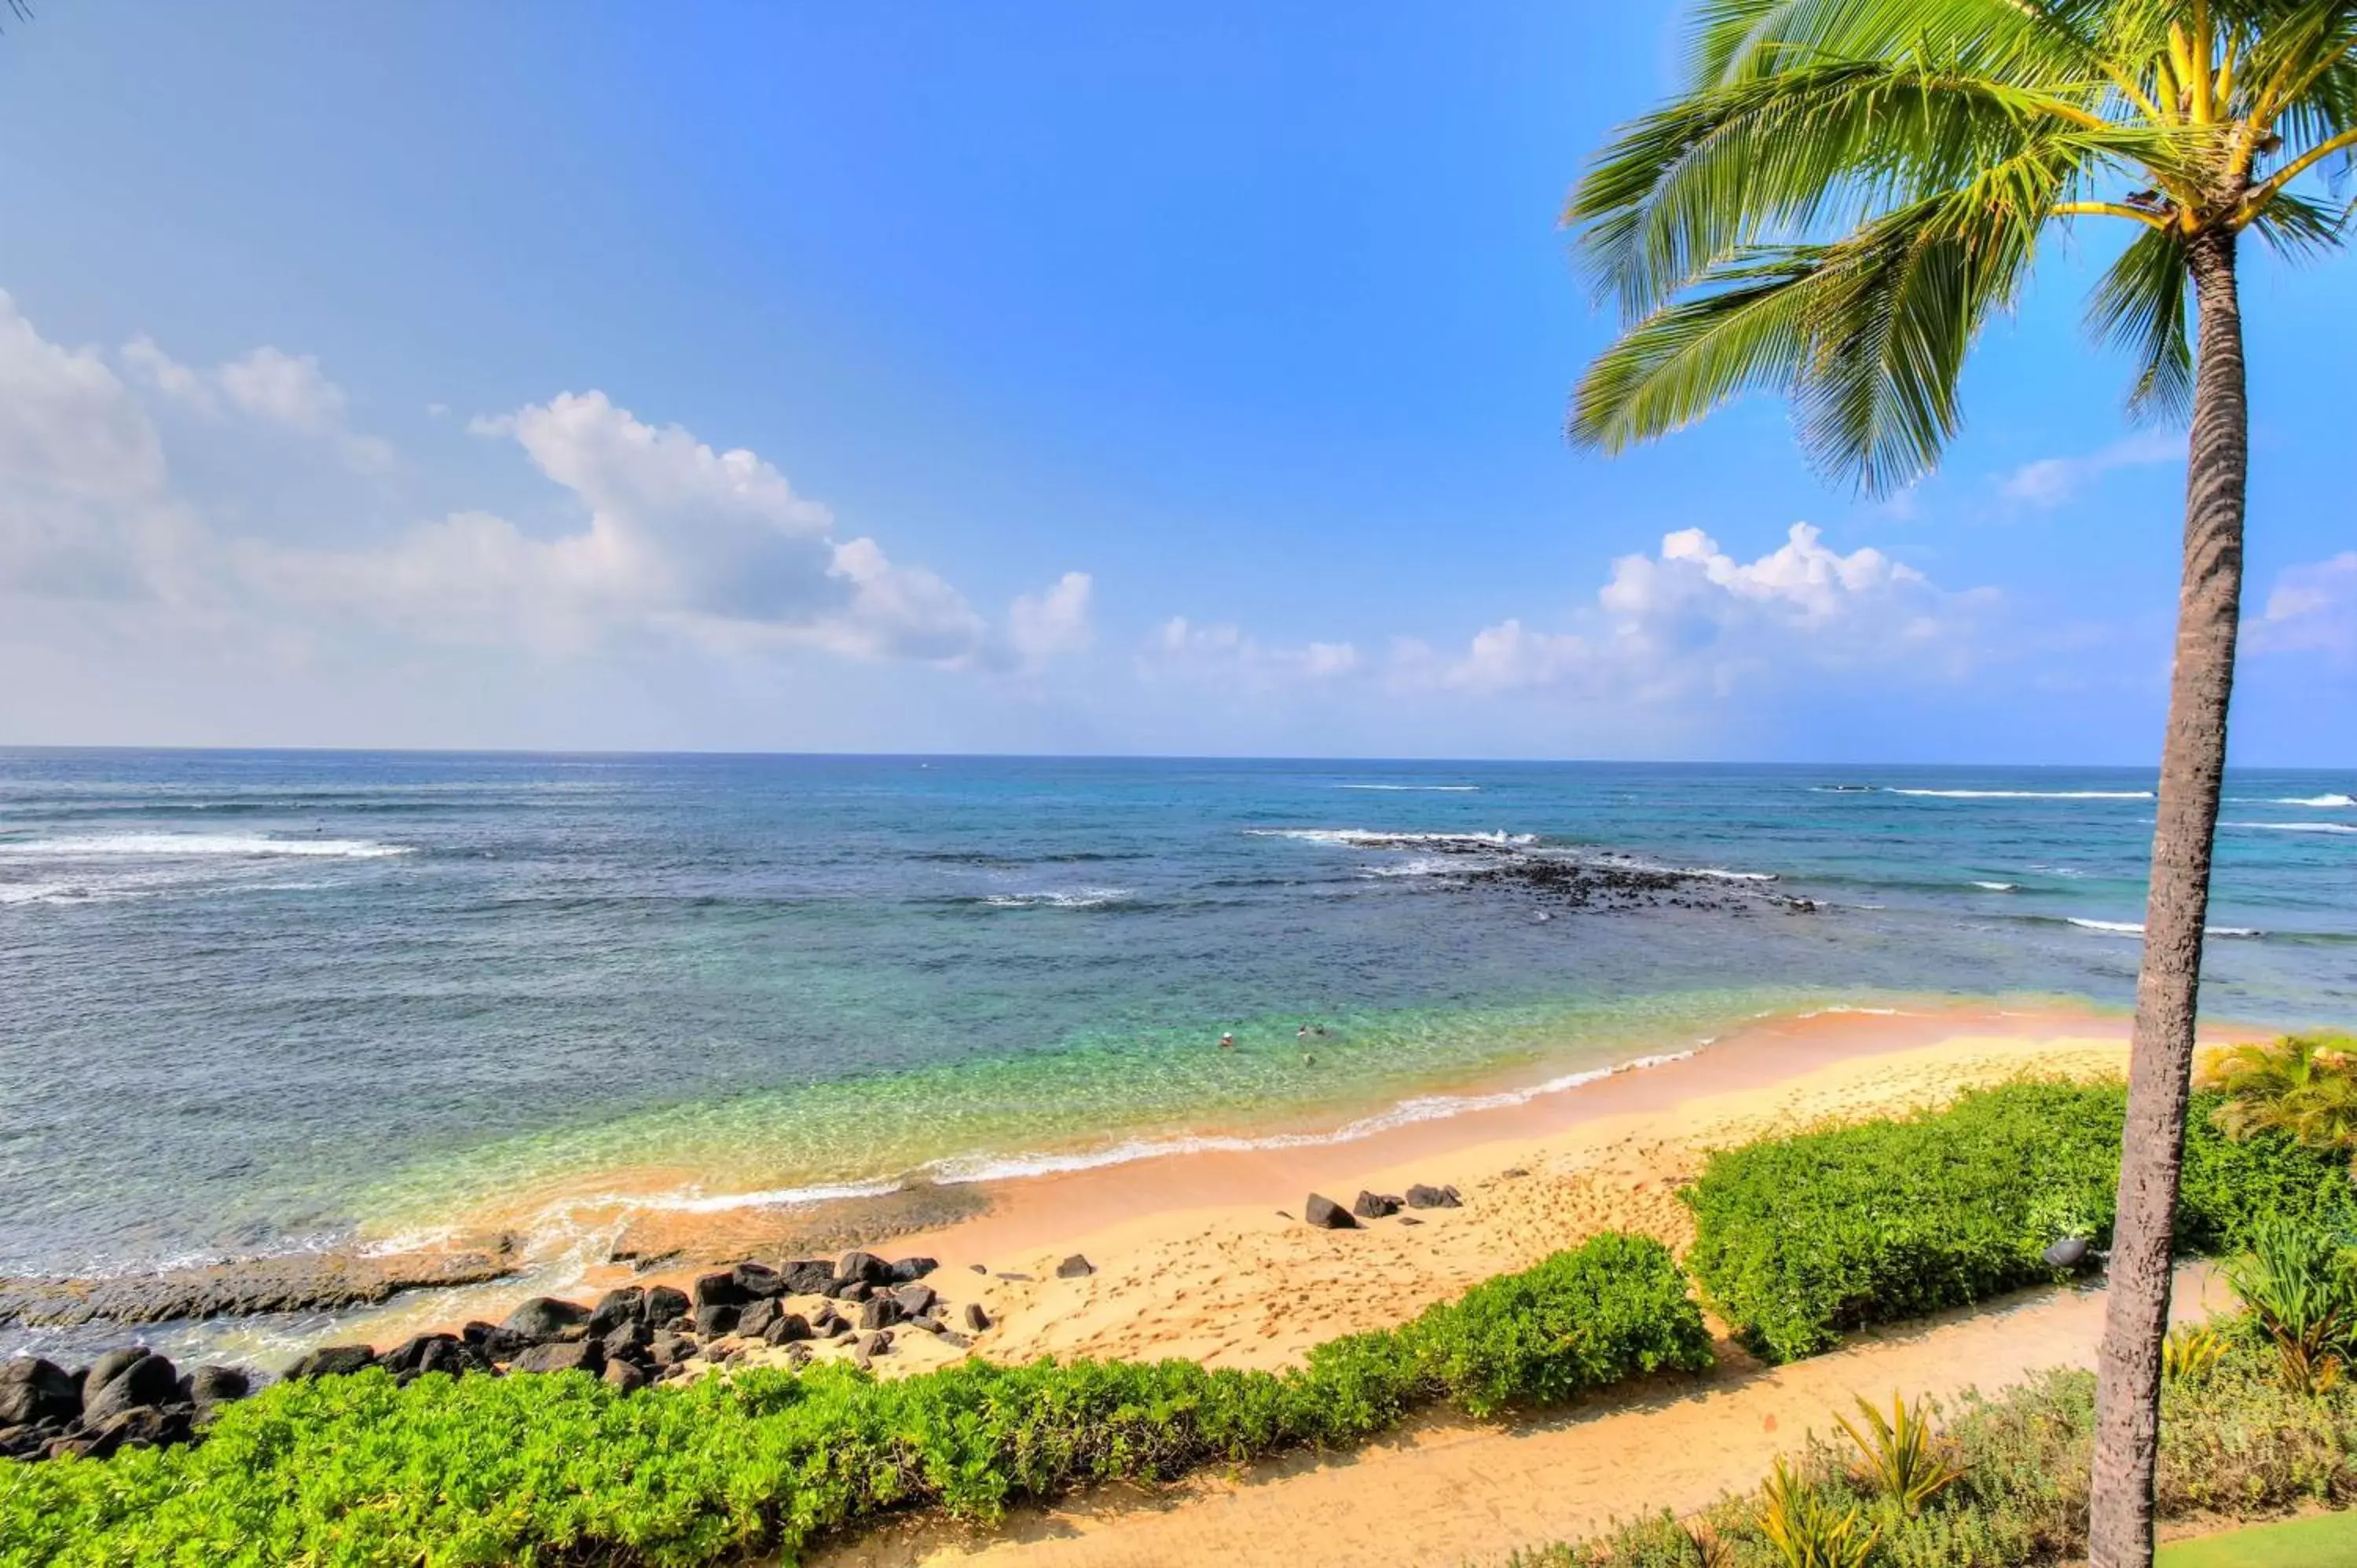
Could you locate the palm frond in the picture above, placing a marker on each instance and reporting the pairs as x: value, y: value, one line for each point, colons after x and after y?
x: 2141, y: 306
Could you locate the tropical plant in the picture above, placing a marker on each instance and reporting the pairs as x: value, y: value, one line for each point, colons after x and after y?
x: 1809, y: 1530
x: 2191, y: 1353
x: 2303, y: 1086
x: 1841, y: 197
x: 1902, y: 1459
x: 2299, y: 1285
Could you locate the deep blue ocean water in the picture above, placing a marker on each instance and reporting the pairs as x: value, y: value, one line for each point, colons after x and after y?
x: 254, y: 1001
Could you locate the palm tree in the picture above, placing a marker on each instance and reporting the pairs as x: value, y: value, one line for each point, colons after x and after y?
x: 1840, y: 197
x: 2300, y: 1086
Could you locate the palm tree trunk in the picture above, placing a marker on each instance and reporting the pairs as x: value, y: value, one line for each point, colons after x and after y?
x: 2192, y: 762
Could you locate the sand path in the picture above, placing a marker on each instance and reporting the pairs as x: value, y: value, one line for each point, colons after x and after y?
x: 1449, y: 1492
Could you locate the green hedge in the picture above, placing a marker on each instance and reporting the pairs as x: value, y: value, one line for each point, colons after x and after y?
x: 1799, y: 1240
x: 560, y: 1469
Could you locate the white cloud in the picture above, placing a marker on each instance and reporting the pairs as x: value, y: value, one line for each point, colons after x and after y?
x: 713, y: 550
x: 1223, y: 655
x: 67, y: 423
x: 1694, y: 617
x: 2311, y: 609
x: 267, y: 385
x: 1689, y: 624
x: 1054, y: 622
x: 2049, y: 482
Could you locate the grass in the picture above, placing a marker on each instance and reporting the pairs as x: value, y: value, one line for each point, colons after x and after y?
x: 2322, y: 1540
x: 563, y: 1470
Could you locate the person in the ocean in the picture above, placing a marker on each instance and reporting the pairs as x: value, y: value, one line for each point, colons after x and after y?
x: 1227, y: 1042
x: 1302, y: 1032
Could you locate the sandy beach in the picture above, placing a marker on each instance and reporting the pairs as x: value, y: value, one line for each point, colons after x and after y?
x: 1202, y: 1255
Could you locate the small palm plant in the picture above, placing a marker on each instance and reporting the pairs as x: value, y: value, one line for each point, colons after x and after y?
x: 1808, y: 1529
x: 2301, y: 1289
x: 1902, y: 1459
x: 2303, y: 1086
x: 2191, y: 1353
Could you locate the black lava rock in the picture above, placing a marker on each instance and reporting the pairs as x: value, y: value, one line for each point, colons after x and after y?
x: 1075, y: 1267
x: 909, y: 1271
x: 878, y: 1312
x: 789, y: 1327
x: 333, y: 1361
x: 1328, y: 1215
x: 615, y: 1307
x: 663, y: 1304
x: 545, y: 1318
x: 915, y: 1299
x: 756, y: 1320
x: 862, y: 1268
x: 1375, y: 1205
x: 717, y: 1318
x: 758, y: 1281
x: 976, y: 1319
x: 33, y: 1390
x: 563, y: 1356
x: 1422, y: 1197
x: 720, y: 1290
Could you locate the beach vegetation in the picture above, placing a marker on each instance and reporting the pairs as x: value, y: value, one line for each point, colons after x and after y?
x: 2237, y: 1444
x: 1810, y: 1528
x: 560, y: 1468
x: 1801, y: 1240
x: 1900, y: 1454
x: 2303, y: 1086
x: 1838, y: 198
x: 2298, y: 1286
x: 2192, y: 1351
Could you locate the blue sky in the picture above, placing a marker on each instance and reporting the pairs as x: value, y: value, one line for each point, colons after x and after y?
x: 1047, y: 377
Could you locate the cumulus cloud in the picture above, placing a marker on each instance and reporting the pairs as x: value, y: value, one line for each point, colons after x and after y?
x: 2310, y: 610
x: 266, y: 385
x: 1689, y: 622
x: 2049, y: 482
x: 67, y: 422
x: 677, y: 540
x: 1225, y: 655
x: 1694, y: 617
x: 1054, y: 622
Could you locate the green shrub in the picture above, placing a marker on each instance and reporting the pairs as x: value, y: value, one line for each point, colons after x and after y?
x: 1800, y: 1240
x: 1579, y: 1320
x: 560, y: 1469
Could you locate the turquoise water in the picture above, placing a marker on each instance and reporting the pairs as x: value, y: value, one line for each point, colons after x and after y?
x: 260, y: 1000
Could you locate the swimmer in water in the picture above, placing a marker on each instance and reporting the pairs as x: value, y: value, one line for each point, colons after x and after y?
x: 1227, y: 1042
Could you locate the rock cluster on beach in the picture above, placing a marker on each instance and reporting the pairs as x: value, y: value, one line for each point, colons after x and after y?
x: 629, y: 1338
x: 1324, y: 1214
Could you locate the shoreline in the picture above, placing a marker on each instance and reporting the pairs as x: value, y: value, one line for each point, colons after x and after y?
x: 1202, y: 1254
x: 1194, y: 1239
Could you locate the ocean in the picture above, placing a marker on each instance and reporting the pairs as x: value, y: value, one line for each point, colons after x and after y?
x: 256, y: 1002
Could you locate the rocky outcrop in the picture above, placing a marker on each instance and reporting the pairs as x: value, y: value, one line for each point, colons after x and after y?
x: 1075, y: 1267
x: 307, y: 1282
x: 1422, y: 1196
x: 1374, y: 1206
x: 630, y: 1338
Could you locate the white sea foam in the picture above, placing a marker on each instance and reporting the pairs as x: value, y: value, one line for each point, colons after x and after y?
x: 1427, y: 866
x: 2136, y: 927
x: 1424, y: 1108
x: 1866, y: 1012
x: 2295, y: 827
x: 1999, y: 886
x: 1061, y: 899
x: 1716, y: 873
x: 699, y: 1202
x: 1418, y: 789
x: 2032, y: 794
x: 184, y: 846
x: 1368, y: 838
